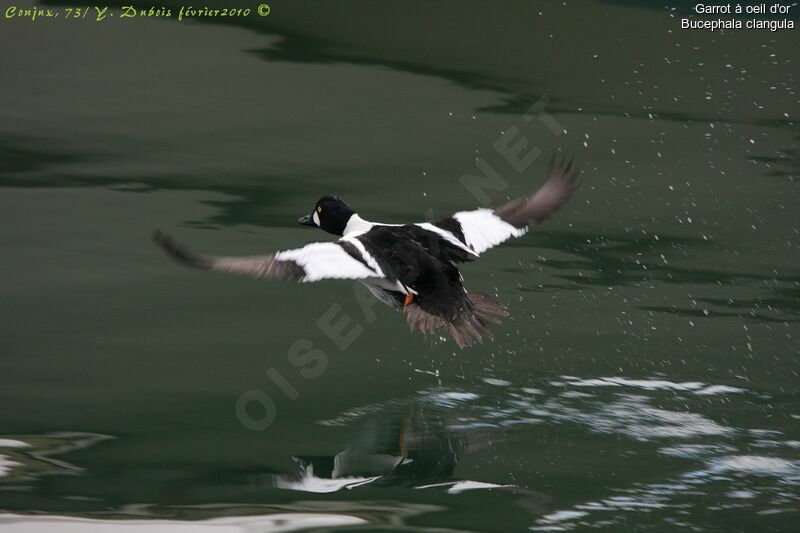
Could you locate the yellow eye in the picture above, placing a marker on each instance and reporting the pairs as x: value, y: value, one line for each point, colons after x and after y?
x: 319, y: 210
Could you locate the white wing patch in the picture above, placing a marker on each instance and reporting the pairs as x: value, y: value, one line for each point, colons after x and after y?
x: 483, y: 229
x: 328, y: 260
x: 446, y: 235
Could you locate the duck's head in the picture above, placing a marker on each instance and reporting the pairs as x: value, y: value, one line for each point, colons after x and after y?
x: 331, y: 214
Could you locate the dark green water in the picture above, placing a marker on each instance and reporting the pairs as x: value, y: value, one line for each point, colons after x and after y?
x: 648, y: 377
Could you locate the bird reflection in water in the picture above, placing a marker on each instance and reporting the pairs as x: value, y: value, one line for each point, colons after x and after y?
x: 402, y: 446
x: 402, y: 449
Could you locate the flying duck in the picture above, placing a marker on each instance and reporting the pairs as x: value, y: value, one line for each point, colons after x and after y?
x: 411, y: 267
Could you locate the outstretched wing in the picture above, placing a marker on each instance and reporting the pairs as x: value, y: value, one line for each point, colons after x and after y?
x: 313, y: 262
x: 478, y: 230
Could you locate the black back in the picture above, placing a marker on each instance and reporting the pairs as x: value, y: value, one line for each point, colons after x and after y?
x: 405, y: 258
x: 438, y: 247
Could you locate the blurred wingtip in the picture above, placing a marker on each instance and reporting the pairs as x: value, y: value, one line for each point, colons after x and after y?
x: 159, y: 237
x: 177, y: 252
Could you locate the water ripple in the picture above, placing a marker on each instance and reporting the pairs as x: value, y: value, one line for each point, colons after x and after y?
x: 708, y: 460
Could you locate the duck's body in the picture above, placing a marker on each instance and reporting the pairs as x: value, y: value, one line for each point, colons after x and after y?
x: 411, y: 267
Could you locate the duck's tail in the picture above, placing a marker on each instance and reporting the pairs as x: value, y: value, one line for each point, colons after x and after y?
x: 470, y: 324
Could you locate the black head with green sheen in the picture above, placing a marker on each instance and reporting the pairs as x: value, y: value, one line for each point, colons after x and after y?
x: 331, y: 214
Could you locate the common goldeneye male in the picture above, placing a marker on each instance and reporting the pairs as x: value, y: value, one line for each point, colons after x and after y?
x: 411, y: 267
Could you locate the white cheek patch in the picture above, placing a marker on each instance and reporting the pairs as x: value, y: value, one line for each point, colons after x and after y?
x: 316, y: 218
